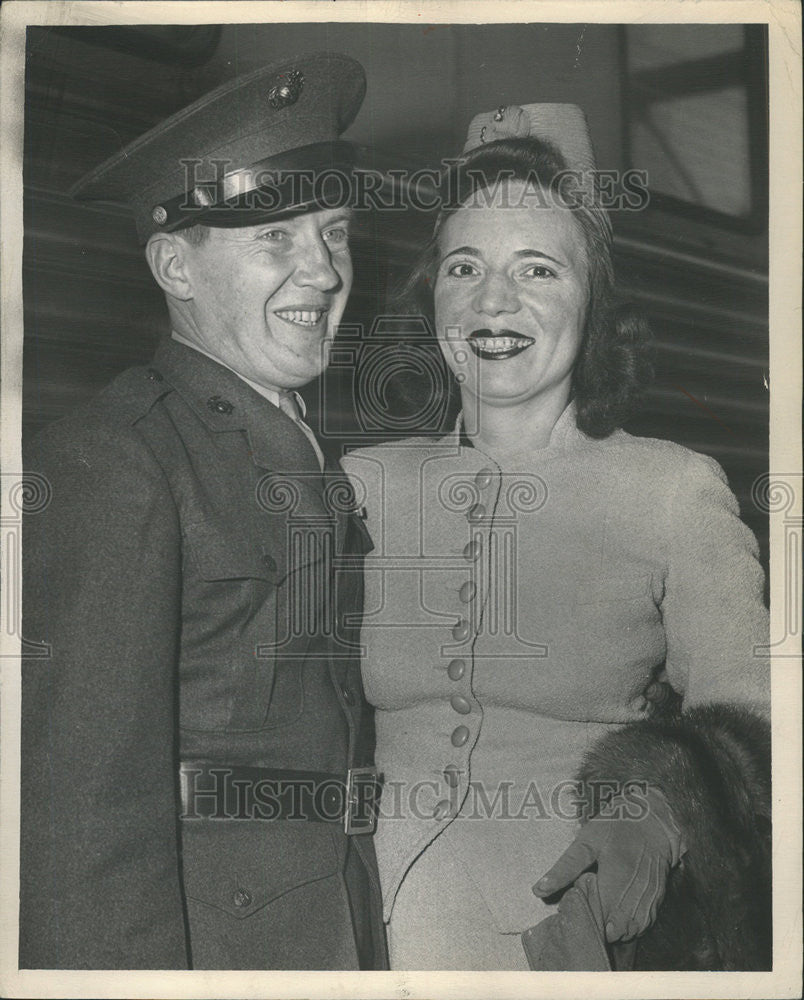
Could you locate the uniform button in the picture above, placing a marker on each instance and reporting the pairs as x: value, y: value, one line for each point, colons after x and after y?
x: 476, y: 513
x: 153, y: 375
x: 269, y: 562
x: 442, y: 809
x: 471, y: 551
x: 483, y: 478
x: 241, y: 897
x: 460, y: 704
x: 452, y: 775
x: 467, y: 592
x: 456, y: 669
x: 460, y: 630
x: 459, y: 736
x: 348, y: 697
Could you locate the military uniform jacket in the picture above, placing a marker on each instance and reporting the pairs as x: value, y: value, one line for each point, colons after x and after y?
x: 198, y: 582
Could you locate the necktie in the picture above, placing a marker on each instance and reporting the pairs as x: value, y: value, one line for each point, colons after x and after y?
x: 288, y: 404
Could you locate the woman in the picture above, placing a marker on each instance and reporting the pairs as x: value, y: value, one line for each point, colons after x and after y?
x: 538, y: 574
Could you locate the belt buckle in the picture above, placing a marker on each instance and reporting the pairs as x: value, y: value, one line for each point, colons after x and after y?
x: 360, y: 814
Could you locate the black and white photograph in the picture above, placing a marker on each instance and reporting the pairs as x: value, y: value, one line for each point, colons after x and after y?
x: 401, y: 499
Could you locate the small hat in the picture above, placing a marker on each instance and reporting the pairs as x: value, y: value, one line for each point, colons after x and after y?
x: 562, y: 125
x: 250, y: 150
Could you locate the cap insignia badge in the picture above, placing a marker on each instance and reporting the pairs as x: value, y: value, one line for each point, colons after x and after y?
x: 286, y: 90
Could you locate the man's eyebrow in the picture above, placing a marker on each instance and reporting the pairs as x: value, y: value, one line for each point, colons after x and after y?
x: 343, y: 217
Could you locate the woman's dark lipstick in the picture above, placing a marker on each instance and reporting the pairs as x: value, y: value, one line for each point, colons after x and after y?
x: 498, y: 345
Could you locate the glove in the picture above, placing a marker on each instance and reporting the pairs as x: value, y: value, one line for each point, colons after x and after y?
x: 633, y: 859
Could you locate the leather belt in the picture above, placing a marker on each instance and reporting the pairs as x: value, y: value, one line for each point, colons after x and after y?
x: 236, y: 791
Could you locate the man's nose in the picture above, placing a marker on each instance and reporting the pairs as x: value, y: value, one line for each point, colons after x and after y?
x: 314, y: 267
x: 496, y: 295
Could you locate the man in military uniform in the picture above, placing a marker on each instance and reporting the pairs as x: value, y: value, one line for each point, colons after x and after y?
x: 192, y: 747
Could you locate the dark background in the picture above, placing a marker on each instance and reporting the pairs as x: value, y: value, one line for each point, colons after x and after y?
x: 92, y: 309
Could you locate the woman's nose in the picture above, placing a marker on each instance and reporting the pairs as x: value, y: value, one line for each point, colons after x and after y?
x: 314, y: 268
x: 495, y: 296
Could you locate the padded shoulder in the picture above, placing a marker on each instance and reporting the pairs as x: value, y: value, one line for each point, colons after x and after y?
x: 132, y: 394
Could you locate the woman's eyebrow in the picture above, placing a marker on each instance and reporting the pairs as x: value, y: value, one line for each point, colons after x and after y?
x: 470, y: 250
x: 528, y: 252
x: 539, y: 253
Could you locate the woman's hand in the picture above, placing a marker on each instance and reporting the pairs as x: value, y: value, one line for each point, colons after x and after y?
x: 633, y: 859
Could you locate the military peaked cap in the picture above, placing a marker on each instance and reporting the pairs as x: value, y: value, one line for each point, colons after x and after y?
x: 258, y: 147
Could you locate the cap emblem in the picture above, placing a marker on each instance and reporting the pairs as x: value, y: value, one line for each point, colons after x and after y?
x: 286, y: 90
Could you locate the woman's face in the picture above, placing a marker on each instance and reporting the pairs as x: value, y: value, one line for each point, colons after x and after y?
x: 511, y: 295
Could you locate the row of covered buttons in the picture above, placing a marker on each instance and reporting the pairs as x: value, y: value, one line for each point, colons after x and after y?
x: 471, y: 552
x: 477, y: 511
x: 456, y: 669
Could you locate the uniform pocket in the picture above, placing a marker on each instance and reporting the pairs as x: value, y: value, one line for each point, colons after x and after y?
x: 239, y: 866
x: 221, y: 555
x: 229, y: 636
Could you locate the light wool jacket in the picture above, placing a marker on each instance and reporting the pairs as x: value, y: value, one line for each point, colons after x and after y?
x: 514, y: 616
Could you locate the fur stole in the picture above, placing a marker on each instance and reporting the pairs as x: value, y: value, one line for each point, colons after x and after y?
x: 713, y: 764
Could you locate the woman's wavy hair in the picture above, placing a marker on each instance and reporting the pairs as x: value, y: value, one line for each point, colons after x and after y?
x: 614, y: 364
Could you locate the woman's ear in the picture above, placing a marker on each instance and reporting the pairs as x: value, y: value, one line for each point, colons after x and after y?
x: 167, y: 254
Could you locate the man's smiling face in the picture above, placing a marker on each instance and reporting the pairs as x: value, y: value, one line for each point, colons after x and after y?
x: 266, y: 300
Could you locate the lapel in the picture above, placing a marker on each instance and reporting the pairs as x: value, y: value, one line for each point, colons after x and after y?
x: 227, y: 405
x: 351, y: 535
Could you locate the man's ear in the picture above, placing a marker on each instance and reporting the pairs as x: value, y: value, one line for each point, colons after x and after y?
x: 166, y: 254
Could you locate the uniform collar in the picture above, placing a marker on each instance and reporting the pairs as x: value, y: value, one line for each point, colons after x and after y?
x: 269, y: 393
x: 224, y: 402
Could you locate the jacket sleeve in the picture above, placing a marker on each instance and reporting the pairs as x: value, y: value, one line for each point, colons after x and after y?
x: 100, y: 882
x: 714, y: 617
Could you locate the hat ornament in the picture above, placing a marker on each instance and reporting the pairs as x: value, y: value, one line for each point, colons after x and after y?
x: 506, y: 123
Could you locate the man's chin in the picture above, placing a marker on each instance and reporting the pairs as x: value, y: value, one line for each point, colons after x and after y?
x: 299, y: 377
x: 292, y: 371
